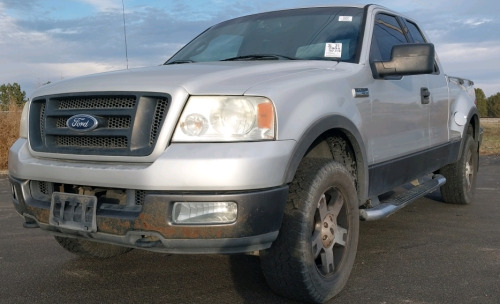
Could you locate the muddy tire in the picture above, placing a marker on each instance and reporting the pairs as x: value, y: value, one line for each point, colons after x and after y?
x: 314, y: 253
x: 461, y: 176
x: 90, y: 249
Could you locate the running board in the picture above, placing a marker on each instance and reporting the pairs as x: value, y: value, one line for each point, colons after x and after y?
x: 393, y: 204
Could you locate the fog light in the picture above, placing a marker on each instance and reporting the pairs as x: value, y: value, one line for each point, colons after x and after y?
x: 204, y: 212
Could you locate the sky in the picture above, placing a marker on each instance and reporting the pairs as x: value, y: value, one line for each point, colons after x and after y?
x: 49, y: 40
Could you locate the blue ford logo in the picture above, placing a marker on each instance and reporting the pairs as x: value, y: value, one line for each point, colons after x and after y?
x: 82, y: 123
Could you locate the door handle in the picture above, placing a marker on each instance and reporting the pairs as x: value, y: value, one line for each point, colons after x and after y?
x: 425, y: 95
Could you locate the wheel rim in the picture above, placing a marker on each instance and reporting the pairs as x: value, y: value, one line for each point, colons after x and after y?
x: 329, y: 234
x: 469, y: 171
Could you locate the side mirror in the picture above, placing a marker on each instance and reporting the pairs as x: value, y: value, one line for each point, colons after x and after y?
x: 407, y: 59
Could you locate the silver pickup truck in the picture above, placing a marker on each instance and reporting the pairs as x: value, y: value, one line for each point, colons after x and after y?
x: 272, y: 133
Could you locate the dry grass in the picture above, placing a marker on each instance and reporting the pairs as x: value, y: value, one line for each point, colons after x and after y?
x: 491, y: 136
x: 9, y: 132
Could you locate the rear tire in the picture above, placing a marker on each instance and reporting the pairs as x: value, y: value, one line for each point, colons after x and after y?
x: 314, y: 253
x: 90, y: 249
x: 461, y: 176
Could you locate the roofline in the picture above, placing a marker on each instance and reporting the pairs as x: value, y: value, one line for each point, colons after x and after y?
x: 304, y: 7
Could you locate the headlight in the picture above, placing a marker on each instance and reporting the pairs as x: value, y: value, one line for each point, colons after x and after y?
x: 226, y: 118
x: 23, y: 128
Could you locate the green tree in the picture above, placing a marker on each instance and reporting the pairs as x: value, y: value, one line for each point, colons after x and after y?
x: 482, y: 102
x: 494, y: 105
x: 11, y: 94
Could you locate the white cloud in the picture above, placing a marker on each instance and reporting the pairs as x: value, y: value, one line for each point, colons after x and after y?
x: 477, y: 22
x: 104, y: 5
x: 31, y: 57
x: 477, y: 61
x: 73, y: 69
x: 460, y: 52
x: 17, y: 44
x: 62, y: 31
x: 36, y: 48
x: 41, y: 73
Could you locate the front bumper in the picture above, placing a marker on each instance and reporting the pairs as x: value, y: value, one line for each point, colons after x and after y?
x: 235, y: 166
x: 148, y: 225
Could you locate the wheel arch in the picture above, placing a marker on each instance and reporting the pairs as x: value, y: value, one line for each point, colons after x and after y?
x: 474, y: 125
x: 312, y: 144
x: 473, y: 122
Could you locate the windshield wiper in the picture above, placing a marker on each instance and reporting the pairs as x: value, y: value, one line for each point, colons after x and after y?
x: 259, y: 57
x: 179, y: 61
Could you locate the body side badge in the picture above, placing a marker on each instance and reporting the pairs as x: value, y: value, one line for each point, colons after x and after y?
x: 360, y: 92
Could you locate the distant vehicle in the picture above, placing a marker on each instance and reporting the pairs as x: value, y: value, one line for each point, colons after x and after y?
x: 273, y: 132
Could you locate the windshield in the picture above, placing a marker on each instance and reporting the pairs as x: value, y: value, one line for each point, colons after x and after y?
x: 328, y: 33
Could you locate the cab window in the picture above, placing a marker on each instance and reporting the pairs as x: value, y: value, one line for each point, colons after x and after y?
x: 387, y: 32
x: 415, y: 32
x: 417, y: 37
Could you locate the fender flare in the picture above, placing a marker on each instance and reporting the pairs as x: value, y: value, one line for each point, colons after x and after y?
x: 472, y: 119
x: 320, y: 127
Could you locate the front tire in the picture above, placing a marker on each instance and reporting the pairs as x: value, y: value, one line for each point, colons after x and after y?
x: 314, y: 253
x: 461, y: 175
x: 89, y: 249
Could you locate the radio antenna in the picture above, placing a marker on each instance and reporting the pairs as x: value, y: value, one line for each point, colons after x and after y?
x: 125, y: 33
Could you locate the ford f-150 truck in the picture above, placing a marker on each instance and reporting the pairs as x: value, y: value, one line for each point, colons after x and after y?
x: 272, y: 133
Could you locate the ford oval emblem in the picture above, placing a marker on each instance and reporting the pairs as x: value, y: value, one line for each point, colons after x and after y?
x: 82, y: 123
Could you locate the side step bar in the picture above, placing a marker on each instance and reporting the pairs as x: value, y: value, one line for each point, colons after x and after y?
x: 393, y: 204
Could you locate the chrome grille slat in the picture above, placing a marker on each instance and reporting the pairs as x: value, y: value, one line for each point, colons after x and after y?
x: 112, y: 122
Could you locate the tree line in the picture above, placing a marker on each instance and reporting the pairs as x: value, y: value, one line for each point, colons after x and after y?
x: 487, y: 107
x: 12, y: 95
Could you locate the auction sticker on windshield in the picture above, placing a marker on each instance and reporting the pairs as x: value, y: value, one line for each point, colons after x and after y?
x: 333, y: 50
x: 345, y: 18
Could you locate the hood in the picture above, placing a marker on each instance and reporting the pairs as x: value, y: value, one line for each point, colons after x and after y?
x: 229, y: 78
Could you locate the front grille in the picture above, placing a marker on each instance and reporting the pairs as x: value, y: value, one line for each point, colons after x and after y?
x: 159, y: 113
x: 98, y: 102
x: 42, y: 120
x: 140, y: 195
x: 43, y: 191
x: 122, y: 122
x: 44, y: 188
x: 128, y: 124
x: 92, y: 142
